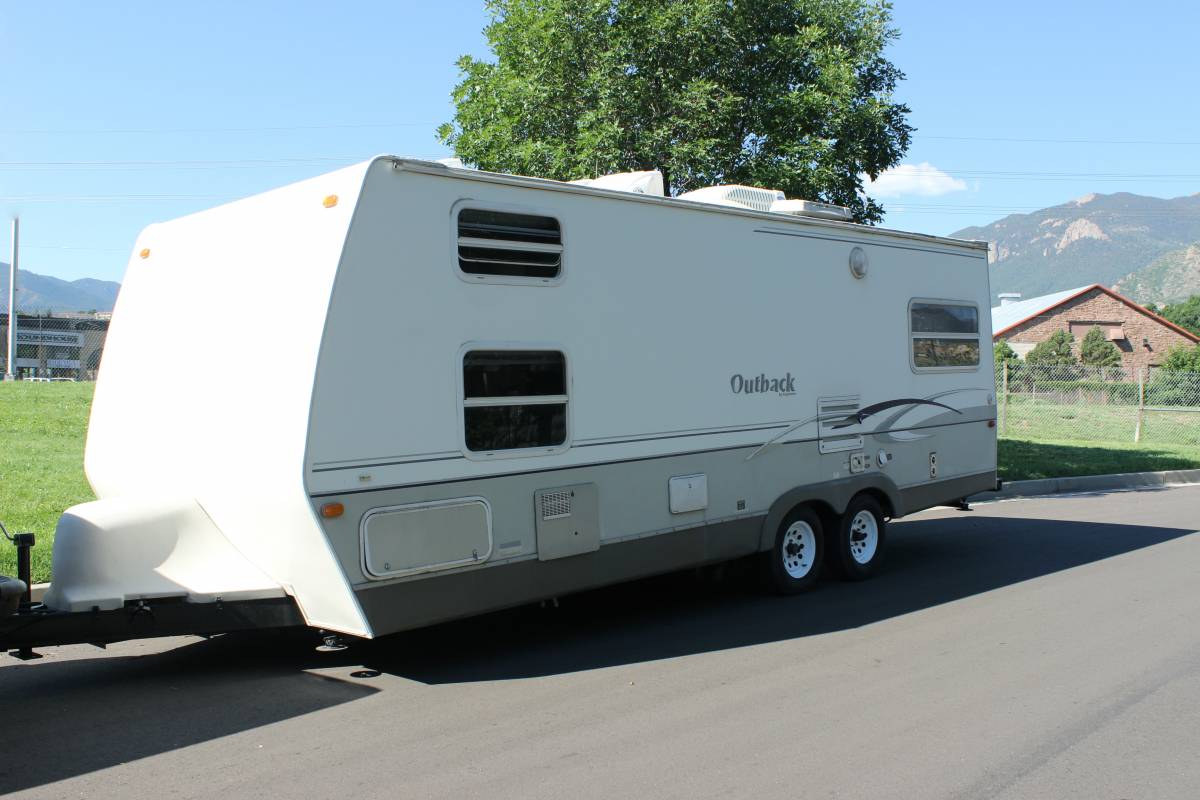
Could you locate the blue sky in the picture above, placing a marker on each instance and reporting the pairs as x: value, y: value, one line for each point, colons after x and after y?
x: 114, y: 116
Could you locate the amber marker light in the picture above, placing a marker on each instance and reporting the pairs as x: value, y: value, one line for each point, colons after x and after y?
x: 331, y: 201
x: 145, y: 253
x: 332, y: 510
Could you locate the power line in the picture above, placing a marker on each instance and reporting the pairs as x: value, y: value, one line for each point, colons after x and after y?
x: 114, y: 198
x: 266, y: 163
x: 423, y: 123
x: 308, y: 161
x: 73, y: 247
x: 264, y: 129
x: 312, y: 161
x: 1167, y: 142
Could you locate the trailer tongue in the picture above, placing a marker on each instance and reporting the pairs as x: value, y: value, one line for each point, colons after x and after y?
x: 25, y: 624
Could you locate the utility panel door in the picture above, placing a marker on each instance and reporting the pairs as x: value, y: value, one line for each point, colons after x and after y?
x: 568, y: 521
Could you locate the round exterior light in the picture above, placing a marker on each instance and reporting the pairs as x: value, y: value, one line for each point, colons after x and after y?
x: 858, y: 263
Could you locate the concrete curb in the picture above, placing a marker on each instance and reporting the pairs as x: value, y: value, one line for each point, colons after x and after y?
x: 1091, y: 483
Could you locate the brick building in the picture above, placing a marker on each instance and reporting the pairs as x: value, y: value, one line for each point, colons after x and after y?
x: 1142, y: 337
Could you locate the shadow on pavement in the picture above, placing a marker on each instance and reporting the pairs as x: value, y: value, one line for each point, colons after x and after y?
x: 68, y: 718
x: 930, y: 562
x: 81, y: 716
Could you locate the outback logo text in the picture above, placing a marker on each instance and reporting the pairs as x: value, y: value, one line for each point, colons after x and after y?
x: 761, y: 384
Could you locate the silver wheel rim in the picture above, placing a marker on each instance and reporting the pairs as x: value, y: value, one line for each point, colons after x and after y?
x: 799, y: 549
x: 864, y: 537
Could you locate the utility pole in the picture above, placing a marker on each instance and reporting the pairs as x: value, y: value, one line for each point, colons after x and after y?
x: 10, y: 373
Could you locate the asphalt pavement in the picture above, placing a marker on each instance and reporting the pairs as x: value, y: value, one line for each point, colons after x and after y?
x: 1042, y: 648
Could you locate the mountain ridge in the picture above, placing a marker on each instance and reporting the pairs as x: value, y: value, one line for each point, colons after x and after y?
x: 1098, y: 238
x: 44, y: 293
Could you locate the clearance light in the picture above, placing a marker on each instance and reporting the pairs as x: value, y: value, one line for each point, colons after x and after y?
x: 332, y: 510
x: 331, y: 201
x: 145, y: 253
x: 991, y: 423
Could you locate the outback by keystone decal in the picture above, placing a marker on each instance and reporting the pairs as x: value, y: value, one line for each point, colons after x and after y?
x: 761, y: 384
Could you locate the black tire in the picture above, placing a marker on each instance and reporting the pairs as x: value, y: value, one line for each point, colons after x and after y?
x: 849, y: 550
x: 798, y: 545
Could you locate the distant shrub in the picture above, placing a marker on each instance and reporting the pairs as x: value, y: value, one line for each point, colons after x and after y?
x: 1097, y: 351
x: 1182, y: 358
x: 1056, y: 350
x: 1003, y: 353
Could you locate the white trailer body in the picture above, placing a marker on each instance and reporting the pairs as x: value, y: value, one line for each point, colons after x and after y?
x: 330, y: 392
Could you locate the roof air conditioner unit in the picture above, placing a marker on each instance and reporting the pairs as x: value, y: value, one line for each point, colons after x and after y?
x: 735, y: 196
x: 650, y: 182
x: 811, y: 208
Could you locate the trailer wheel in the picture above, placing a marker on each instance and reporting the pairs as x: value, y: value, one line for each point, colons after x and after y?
x: 794, y: 563
x: 856, y: 545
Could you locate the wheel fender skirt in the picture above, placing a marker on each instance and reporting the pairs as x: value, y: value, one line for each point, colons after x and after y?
x: 128, y: 548
x: 836, y: 494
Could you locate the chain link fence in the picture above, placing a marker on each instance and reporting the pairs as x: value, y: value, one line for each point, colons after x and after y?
x: 54, y: 348
x: 1098, y: 404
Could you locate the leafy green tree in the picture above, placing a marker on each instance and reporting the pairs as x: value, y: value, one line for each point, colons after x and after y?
x: 1001, y: 352
x: 786, y: 94
x: 1058, y: 349
x: 1097, y: 351
x: 1185, y: 314
x: 1182, y: 358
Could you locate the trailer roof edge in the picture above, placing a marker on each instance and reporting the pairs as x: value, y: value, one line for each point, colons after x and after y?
x: 435, y: 168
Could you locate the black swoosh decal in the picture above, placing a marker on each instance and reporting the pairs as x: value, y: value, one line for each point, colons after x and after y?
x: 863, y: 413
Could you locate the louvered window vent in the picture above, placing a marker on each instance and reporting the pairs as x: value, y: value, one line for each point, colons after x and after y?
x: 501, y: 244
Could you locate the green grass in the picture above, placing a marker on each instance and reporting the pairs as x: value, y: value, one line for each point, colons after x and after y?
x: 42, y: 427
x: 1038, y: 420
x: 1022, y: 459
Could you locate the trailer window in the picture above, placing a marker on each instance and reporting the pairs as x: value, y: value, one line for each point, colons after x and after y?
x: 504, y: 244
x: 945, y: 336
x: 514, y: 399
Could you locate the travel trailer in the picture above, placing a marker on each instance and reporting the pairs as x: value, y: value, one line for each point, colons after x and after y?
x: 406, y: 392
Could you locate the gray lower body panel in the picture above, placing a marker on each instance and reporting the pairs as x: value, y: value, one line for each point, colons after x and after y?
x: 927, y: 495
x: 413, y: 604
x: 395, y: 607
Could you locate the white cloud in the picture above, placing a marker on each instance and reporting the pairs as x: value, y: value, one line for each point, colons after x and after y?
x: 913, y: 180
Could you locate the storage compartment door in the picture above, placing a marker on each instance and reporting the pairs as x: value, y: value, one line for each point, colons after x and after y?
x: 405, y: 540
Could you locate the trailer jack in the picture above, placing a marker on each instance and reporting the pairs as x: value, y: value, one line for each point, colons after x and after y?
x: 24, y: 543
x: 331, y: 643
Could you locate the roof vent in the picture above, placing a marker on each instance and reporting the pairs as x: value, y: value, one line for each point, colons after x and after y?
x: 1008, y: 298
x: 811, y: 208
x: 735, y: 196
x: 650, y: 182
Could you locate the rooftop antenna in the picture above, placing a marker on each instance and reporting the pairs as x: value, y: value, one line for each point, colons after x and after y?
x: 9, y: 365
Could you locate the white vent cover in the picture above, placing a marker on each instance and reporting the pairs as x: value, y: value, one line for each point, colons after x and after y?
x: 556, y: 505
x: 650, y: 182
x: 811, y: 208
x: 736, y: 196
